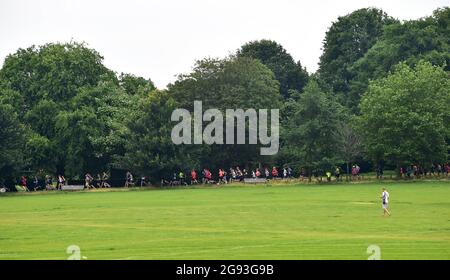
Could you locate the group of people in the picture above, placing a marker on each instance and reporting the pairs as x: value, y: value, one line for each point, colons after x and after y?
x: 101, y: 182
x: 37, y: 183
x: 418, y: 171
x: 234, y: 174
x: 47, y: 182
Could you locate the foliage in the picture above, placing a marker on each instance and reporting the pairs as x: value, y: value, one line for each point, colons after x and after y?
x: 347, y: 40
x: 290, y: 74
x: 310, y: 133
x: 405, y: 117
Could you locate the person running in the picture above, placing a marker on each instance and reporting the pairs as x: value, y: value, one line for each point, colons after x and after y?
x: 239, y: 174
x: 23, y: 183
x: 225, y: 177
x: 3, y: 188
x: 143, y: 181
x: 61, y: 182
x: 337, y: 173
x: 233, y: 175
x: 274, y: 172
x: 129, y: 180
x: 88, y: 180
x: 48, y: 182
x: 193, y: 177
x: 266, y: 173
x: 221, y: 175
x: 36, y: 185
x: 328, y: 174
x: 105, y: 178
x: 354, y: 172
x: 289, y: 170
x: 385, y: 202
x: 302, y: 174
x: 208, y: 176
x: 181, y: 176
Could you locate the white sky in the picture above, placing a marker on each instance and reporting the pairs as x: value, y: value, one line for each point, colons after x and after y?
x: 159, y: 39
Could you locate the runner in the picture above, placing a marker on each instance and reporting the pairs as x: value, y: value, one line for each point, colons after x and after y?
x: 385, y: 202
x: 193, y: 177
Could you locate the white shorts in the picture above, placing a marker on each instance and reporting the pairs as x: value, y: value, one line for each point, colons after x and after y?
x: 384, y: 205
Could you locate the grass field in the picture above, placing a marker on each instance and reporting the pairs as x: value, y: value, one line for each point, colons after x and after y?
x: 232, y: 222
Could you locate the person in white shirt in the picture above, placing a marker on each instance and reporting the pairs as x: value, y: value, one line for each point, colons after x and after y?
x: 385, y: 202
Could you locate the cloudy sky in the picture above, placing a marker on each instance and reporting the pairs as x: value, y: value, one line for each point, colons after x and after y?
x: 158, y: 39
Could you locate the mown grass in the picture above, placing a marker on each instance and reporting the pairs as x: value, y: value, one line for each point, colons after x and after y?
x: 280, y: 221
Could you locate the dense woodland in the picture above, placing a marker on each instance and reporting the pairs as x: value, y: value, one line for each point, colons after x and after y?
x: 381, y: 96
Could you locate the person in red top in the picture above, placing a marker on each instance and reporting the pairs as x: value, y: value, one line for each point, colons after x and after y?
x: 274, y: 172
x: 208, y: 175
x: 221, y: 174
x: 194, y: 177
x: 257, y: 173
x: 23, y: 183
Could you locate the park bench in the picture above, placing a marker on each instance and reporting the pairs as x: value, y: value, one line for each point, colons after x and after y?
x: 72, y: 188
x: 255, y: 180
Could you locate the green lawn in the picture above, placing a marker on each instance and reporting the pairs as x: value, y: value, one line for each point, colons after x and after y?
x: 233, y: 222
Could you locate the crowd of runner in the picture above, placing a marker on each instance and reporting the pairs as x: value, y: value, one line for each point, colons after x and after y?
x: 222, y: 176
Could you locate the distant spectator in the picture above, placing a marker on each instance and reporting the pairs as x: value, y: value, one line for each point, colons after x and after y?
x: 379, y: 172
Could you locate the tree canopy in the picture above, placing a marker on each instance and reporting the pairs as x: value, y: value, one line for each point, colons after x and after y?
x: 290, y: 74
x: 347, y: 40
x: 405, y: 117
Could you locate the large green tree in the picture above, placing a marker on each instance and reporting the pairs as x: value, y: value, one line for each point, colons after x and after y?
x: 346, y: 41
x: 410, y: 41
x: 11, y: 141
x: 93, y: 131
x: 70, y: 103
x: 405, y: 117
x: 290, y: 74
x: 310, y: 139
x: 149, y: 149
x: 231, y: 83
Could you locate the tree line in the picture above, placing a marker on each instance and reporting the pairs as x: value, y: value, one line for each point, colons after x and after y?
x: 381, y: 95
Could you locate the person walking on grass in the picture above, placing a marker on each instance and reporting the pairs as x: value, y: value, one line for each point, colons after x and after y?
x: 385, y: 202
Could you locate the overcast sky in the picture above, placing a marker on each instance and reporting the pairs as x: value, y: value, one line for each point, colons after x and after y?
x: 159, y: 39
